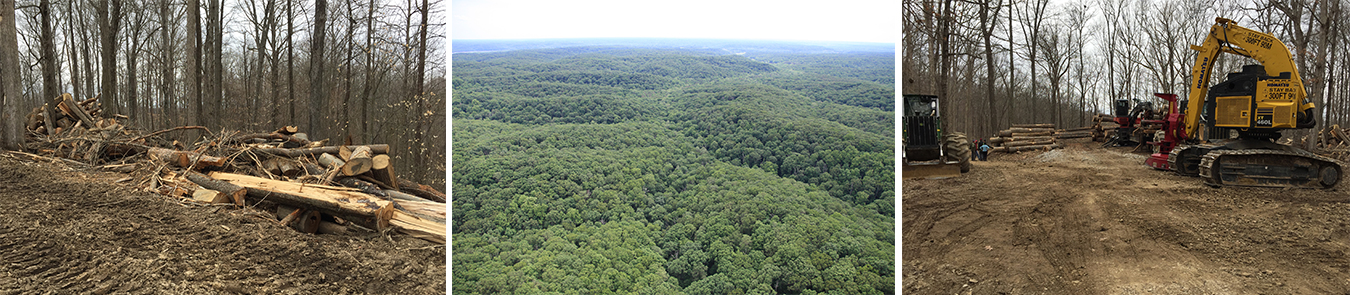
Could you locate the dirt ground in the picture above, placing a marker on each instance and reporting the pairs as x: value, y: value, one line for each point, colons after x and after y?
x: 72, y: 232
x: 1087, y: 220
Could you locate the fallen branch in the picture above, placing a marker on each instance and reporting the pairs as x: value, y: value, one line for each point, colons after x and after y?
x: 421, y: 190
x: 208, y: 131
x: 235, y: 192
x: 296, y: 153
x: 276, y: 136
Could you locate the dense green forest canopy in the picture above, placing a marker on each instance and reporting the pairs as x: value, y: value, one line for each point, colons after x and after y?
x: 616, y: 170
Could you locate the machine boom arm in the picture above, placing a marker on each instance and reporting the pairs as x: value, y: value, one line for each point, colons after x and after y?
x: 1227, y: 36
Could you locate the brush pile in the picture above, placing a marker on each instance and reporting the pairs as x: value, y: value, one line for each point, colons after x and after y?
x: 314, y: 187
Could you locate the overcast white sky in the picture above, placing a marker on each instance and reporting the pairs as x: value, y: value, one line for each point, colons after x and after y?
x: 841, y: 20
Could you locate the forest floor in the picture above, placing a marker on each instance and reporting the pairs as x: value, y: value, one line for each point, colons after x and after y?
x: 1091, y: 220
x: 70, y: 231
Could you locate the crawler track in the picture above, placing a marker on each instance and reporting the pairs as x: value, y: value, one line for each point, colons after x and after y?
x: 1269, y: 168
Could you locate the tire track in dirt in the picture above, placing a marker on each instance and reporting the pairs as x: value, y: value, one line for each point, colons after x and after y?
x: 1094, y: 221
x: 80, y: 235
x: 958, y: 219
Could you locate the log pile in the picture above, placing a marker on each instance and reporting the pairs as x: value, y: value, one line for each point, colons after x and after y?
x: 68, y: 114
x: 310, y: 185
x: 1030, y: 137
x: 1079, y: 132
x: 1333, y: 142
x: 1103, y: 127
x: 1025, y: 137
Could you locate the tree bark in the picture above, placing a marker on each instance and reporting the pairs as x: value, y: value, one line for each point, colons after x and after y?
x: 215, y: 72
x: 260, y: 31
x: 193, y: 63
x: 109, y: 14
x: 348, y: 72
x: 366, y: 91
x: 235, y: 192
x: 132, y: 54
x: 987, y: 31
x: 293, y: 153
x: 12, y: 133
x: 359, y: 162
x: 420, y: 190
x: 290, y: 61
x: 331, y: 161
x: 186, y: 159
x: 167, y: 64
x: 51, y: 87
x: 368, y: 211
x: 70, y: 47
x: 318, y: 102
x: 422, y: 50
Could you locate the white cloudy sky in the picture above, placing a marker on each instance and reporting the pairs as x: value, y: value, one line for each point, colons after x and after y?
x: 840, y: 20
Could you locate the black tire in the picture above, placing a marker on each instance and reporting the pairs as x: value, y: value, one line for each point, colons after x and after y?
x: 957, y: 148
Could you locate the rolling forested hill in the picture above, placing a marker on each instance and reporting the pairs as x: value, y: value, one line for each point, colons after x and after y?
x: 599, y: 170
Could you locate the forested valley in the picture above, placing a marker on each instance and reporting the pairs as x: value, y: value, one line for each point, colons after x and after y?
x: 617, y: 170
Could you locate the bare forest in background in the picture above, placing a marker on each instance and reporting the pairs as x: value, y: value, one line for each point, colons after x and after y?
x: 371, y: 71
x: 1000, y: 62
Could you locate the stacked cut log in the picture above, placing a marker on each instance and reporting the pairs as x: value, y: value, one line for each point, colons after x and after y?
x: 1029, y: 137
x: 319, y: 188
x: 1025, y: 137
x: 67, y: 115
x: 1079, y: 132
x: 1103, y: 127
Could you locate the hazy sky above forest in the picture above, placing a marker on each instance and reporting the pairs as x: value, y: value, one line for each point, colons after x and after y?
x: 843, y: 20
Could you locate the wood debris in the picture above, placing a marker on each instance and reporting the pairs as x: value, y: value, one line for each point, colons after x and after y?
x: 326, y: 187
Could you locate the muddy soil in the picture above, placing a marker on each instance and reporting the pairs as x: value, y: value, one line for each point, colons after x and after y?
x: 73, y: 232
x: 1087, y: 220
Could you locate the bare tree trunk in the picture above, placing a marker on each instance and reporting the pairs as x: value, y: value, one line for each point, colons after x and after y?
x: 1319, y: 83
x: 70, y: 46
x: 166, y: 69
x: 317, y: 89
x: 270, y: 22
x: 193, y: 64
x: 290, y: 60
x: 215, y: 72
x: 1012, y: 62
x: 987, y: 32
x: 88, y: 60
x: 422, y: 50
x: 12, y: 133
x: 370, y: 70
x: 1034, y: 16
x: 109, y: 14
x: 133, y: 53
x: 944, y: 60
x: 424, y: 120
x: 347, y: 63
x: 51, y: 87
x: 261, y: 27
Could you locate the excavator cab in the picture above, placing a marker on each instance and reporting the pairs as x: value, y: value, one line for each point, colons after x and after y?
x: 1256, y: 103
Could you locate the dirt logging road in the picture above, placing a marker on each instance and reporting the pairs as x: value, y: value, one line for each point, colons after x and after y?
x: 1088, y: 220
x: 73, y: 232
